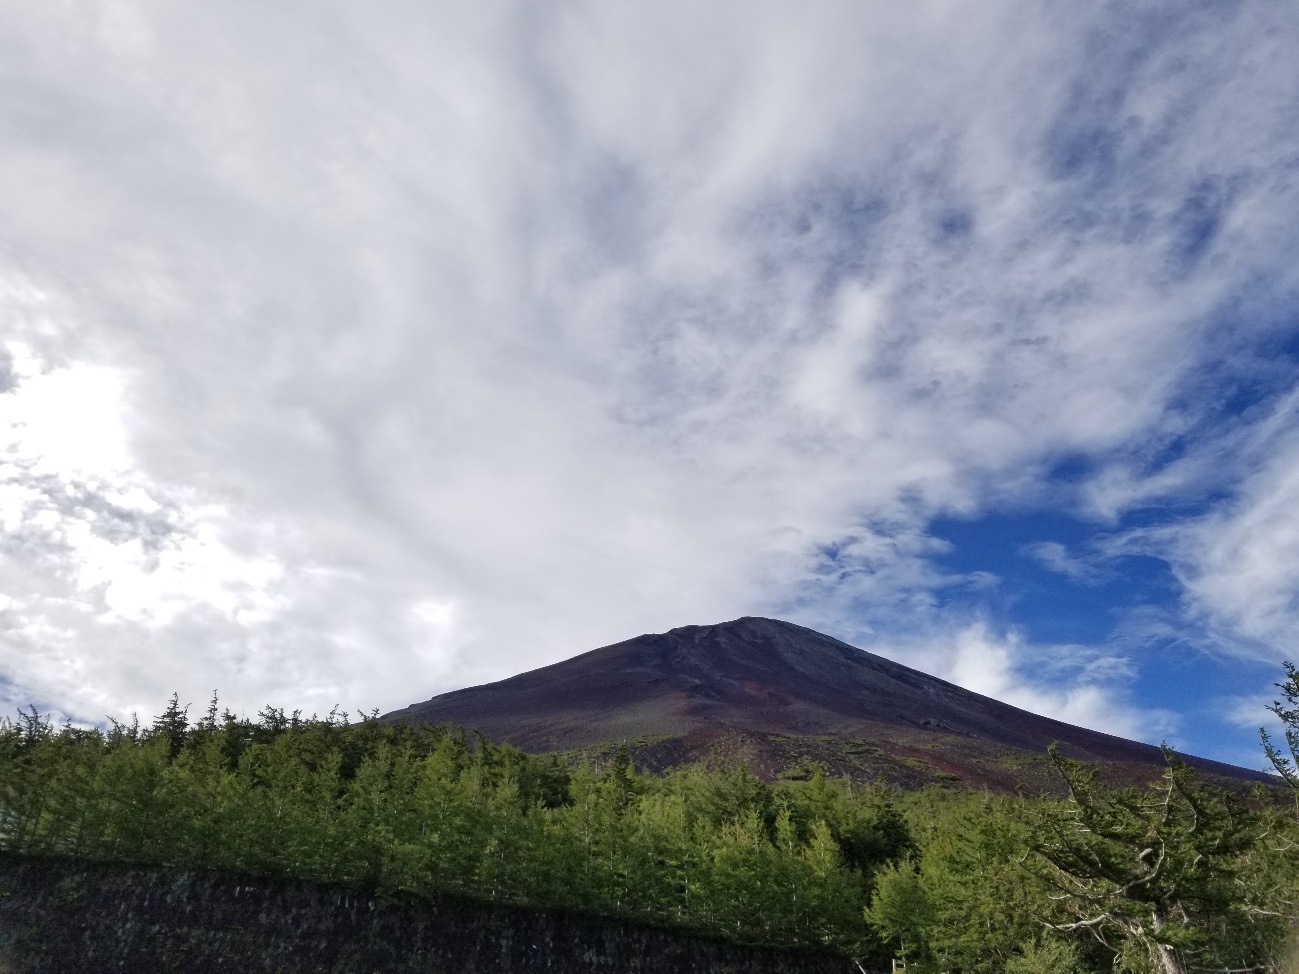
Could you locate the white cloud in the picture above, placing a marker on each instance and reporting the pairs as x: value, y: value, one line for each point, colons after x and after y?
x: 1070, y: 683
x: 1057, y: 558
x: 1239, y: 564
x: 64, y: 421
x: 1251, y: 713
x: 584, y: 321
x: 107, y: 574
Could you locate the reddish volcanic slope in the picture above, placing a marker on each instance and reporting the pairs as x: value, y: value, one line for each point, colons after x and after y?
x: 781, y: 697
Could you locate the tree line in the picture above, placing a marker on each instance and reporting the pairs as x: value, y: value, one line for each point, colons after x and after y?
x: 1177, y: 876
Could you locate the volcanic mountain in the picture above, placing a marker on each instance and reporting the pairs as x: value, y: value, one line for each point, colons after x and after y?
x: 783, y: 699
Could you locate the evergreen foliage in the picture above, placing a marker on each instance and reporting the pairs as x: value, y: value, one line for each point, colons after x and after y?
x: 1286, y: 763
x: 420, y: 809
x: 1177, y: 876
x: 1180, y: 875
x: 1151, y: 874
x: 964, y: 900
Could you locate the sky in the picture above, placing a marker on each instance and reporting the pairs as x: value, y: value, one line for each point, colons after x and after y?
x: 354, y: 353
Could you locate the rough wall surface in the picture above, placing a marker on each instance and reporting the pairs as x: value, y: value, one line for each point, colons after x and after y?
x: 83, y: 918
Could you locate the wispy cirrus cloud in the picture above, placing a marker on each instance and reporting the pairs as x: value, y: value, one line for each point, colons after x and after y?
x: 1057, y: 558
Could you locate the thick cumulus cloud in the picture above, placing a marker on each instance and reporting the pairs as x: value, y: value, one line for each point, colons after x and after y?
x: 421, y: 346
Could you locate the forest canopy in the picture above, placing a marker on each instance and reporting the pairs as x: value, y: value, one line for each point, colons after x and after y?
x: 1178, y: 876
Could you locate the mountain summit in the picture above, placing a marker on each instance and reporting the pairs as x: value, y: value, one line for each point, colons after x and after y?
x: 782, y: 698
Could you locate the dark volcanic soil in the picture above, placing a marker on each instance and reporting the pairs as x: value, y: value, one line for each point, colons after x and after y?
x: 780, y: 697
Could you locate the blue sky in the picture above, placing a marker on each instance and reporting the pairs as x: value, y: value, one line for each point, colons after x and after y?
x: 351, y: 355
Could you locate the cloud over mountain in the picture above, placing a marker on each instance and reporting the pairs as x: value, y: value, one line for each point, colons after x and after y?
x: 349, y: 348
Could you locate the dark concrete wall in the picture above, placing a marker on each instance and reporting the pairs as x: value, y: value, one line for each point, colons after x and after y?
x: 81, y: 918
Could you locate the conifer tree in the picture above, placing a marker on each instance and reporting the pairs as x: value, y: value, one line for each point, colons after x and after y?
x: 1148, y: 874
x: 1286, y: 764
x: 172, y: 725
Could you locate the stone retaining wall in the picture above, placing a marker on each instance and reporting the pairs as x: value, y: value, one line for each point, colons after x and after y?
x: 82, y: 918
